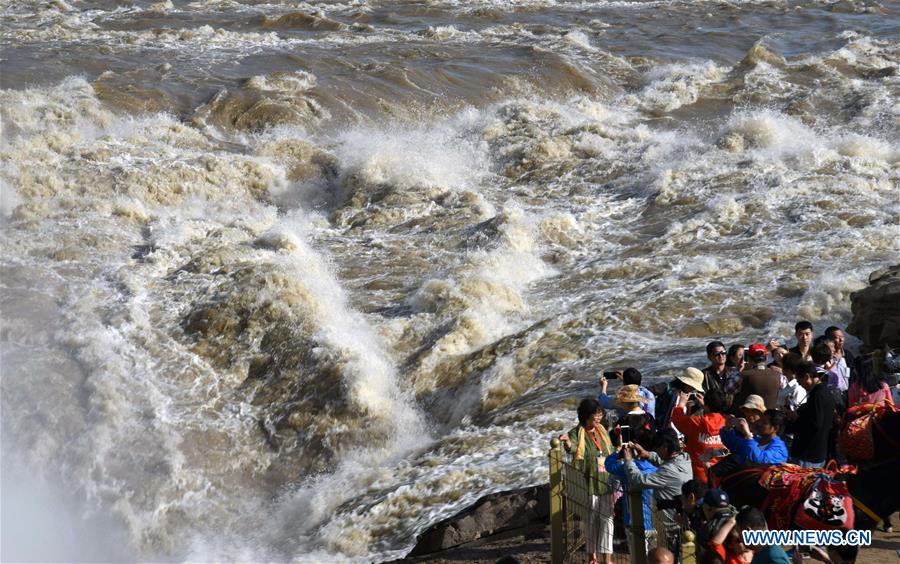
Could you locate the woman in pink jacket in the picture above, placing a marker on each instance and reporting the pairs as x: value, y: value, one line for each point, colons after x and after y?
x: 868, y: 389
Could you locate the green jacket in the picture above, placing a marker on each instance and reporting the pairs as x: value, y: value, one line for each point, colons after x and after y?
x: 597, y: 482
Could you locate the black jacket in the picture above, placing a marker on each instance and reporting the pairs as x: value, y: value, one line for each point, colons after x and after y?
x: 813, y: 424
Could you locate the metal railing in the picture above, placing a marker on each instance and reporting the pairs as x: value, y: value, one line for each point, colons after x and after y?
x: 579, y: 520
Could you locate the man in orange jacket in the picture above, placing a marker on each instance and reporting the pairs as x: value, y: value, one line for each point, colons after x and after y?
x: 701, y: 432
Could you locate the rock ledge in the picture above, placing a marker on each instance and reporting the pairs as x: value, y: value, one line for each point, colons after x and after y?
x: 876, y: 310
x: 490, y: 515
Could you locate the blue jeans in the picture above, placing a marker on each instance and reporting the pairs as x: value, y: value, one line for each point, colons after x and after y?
x: 806, y: 463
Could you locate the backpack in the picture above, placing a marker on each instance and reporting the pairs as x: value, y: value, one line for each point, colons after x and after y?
x: 826, y: 505
x: 856, y: 440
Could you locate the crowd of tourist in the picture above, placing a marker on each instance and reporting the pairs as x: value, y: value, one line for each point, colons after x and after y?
x: 762, y: 404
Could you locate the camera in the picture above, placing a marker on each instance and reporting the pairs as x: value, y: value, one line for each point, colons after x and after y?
x: 626, y: 433
x: 611, y: 375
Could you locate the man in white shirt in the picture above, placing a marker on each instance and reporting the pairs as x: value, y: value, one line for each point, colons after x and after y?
x: 792, y: 394
x: 845, y: 357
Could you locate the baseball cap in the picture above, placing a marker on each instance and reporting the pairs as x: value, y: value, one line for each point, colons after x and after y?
x: 715, y: 498
x: 757, y: 349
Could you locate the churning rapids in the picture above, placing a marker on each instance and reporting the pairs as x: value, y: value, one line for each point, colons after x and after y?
x: 292, y: 281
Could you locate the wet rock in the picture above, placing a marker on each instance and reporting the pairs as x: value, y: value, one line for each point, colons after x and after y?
x: 845, y: 7
x: 758, y: 53
x: 304, y: 21
x: 482, y: 236
x: 876, y: 310
x: 252, y: 109
x: 492, y: 514
x: 876, y: 74
x: 303, y: 160
x: 135, y: 92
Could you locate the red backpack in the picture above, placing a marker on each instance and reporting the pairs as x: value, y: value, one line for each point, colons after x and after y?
x: 856, y: 440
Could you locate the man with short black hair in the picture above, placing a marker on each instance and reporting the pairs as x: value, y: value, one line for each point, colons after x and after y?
x: 692, y: 493
x: 701, y: 432
x: 845, y: 361
x: 673, y: 470
x: 752, y: 519
x: 822, y: 354
x: 734, y: 364
x: 812, y: 422
x: 825, y: 356
x: 630, y: 376
x: 803, y: 330
x: 714, y: 375
x: 824, y: 361
x: 765, y: 447
x: 792, y: 394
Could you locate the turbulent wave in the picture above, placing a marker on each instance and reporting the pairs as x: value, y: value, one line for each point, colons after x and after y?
x: 265, y: 301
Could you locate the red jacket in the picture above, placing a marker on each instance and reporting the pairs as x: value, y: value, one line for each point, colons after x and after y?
x: 726, y: 555
x: 702, y: 441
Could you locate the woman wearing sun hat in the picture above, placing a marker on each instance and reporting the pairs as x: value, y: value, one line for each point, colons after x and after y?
x: 752, y: 408
x: 630, y: 398
x: 667, y: 394
x: 632, y: 403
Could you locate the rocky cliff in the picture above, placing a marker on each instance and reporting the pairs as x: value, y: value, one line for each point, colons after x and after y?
x: 501, y: 524
x: 876, y: 310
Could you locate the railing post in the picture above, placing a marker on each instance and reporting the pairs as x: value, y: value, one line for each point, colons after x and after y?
x: 557, y: 540
x: 688, y: 549
x: 638, y: 534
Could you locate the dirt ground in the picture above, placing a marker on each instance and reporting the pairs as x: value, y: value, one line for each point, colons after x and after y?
x: 530, y: 546
x: 885, y: 548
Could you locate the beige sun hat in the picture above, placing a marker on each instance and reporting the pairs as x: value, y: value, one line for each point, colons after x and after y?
x: 693, y: 378
x: 756, y: 402
x: 630, y: 394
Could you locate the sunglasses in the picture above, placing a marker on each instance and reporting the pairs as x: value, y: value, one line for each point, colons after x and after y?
x: 720, y: 353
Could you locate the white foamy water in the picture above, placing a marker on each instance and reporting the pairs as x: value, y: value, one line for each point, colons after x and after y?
x: 268, y: 300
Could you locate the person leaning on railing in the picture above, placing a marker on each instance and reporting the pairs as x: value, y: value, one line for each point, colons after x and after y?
x: 590, y: 444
